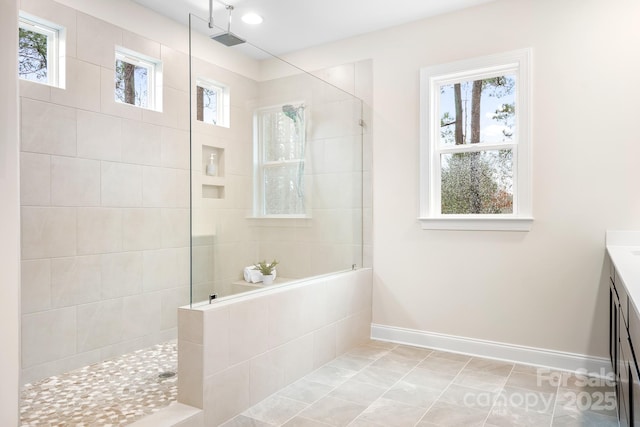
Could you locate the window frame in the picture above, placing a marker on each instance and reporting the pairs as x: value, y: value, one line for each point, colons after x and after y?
x: 222, y: 100
x: 431, y: 79
x: 259, y: 205
x: 56, y: 47
x: 154, y: 76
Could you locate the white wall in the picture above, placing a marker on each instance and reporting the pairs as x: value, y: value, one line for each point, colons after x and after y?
x: 9, y: 218
x: 544, y: 288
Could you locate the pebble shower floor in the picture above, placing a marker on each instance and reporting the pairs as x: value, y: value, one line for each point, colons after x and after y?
x: 115, y: 392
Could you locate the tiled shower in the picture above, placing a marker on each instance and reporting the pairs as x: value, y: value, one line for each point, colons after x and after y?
x: 107, y: 258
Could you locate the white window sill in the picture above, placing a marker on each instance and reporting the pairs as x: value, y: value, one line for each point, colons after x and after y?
x: 488, y: 223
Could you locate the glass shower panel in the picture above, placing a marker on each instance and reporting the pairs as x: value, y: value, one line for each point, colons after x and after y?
x: 288, y: 171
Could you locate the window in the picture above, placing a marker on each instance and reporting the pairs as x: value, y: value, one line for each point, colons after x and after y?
x: 212, y: 103
x: 279, y: 165
x: 475, y: 148
x: 138, y: 80
x: 40, y: 51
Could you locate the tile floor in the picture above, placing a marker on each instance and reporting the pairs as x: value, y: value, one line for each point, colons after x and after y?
x: 376, y: 384
x: 116, y: 392
x: 382, y: 384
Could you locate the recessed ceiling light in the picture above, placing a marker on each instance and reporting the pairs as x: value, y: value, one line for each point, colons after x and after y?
x: 252, y: 18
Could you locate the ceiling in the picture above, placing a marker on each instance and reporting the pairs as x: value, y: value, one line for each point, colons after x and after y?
x: 291, y: 25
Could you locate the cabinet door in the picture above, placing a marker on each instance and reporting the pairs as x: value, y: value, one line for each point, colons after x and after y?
x: 635, y: 395
x: 625, y: 398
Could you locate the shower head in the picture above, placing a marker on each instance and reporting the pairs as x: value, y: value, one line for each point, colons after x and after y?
x: 292, y: 112
x: 228, y: 38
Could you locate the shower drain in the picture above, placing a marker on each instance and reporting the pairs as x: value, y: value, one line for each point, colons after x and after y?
x: 167, y: 374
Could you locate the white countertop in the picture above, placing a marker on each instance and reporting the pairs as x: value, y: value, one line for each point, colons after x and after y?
x: 623, y: 248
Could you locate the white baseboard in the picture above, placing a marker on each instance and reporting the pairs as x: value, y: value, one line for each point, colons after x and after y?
x: 493, y: 350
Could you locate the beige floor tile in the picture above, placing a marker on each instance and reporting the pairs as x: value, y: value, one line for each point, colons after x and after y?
x: 438, y: 364
x: 430, y: 379
x: 531, y: 382
x: 395, y: 362
x: 336, y: 412
x: 304, y: 422
x: 449, y: 415
x: 351, y: 362
x: 382, y: 344
x: 378, y: 376
x: 585, y: 419
x: 244, y: 421
x: 330, y: 375
x: 467, y: 396
x: 536, y: 401
x: 450, y: 356
x: 369, y: 351
x: 517, y: 417
x: 306, y: 391
x: 412, y: 394
x: 391, y: 413
x: 489, y: 366
x: 358, y: 392
x: 409, y: 352
x: 276, y: 409
x: 480, y: 380
x: 598, y: 400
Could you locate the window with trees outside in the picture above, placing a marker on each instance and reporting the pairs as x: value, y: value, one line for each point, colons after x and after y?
x: 475, y: 144
x: 212, y: 103
x: 279, y: 161
x: 40, y: 51
x: 138, y: 80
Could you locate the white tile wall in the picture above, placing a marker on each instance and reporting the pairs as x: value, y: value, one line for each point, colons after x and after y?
x: 227, y: 393
x: 121, y: 274
x: 121, y: 184
x: 48, y: 336
x: 98, y: 239
x: 175, y: 148
x: 99, y: 230
x: 35, y: 179
x: 75, y: 182
x: 141, y: 143
x: 248, y: 330
x: 140, y: 44
x: 83, y: 86
x: 175, y: 69
x: 48, y: 232
x: 35, y: 285
x: 141, y: 315
x: 97, y: 40
x: 47, y: 128
x: 99, y: 324
x: 141, y: 229
x: 99, y: 136
x: 75, y: 280
x: 239, y: 368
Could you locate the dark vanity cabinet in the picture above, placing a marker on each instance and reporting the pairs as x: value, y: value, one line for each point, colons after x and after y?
x: 624, y: 331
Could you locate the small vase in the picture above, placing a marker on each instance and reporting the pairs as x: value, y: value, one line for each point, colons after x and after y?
x: 267, y: 279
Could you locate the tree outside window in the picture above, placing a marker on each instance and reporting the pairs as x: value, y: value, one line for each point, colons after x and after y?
x: 475, y: 148
x: 137, y: 80
x: 39, y: 54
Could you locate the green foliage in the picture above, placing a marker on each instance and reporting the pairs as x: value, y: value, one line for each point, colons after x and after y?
x: 32, y: 52
x: 264, y: 268
x: 474, y: 183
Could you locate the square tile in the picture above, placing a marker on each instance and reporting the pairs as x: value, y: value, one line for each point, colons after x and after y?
x: 275, y: 410
x: 332, y: 411
x: 392, y: 413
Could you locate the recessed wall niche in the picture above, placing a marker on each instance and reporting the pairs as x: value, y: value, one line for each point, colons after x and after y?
x: 212, y: 172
